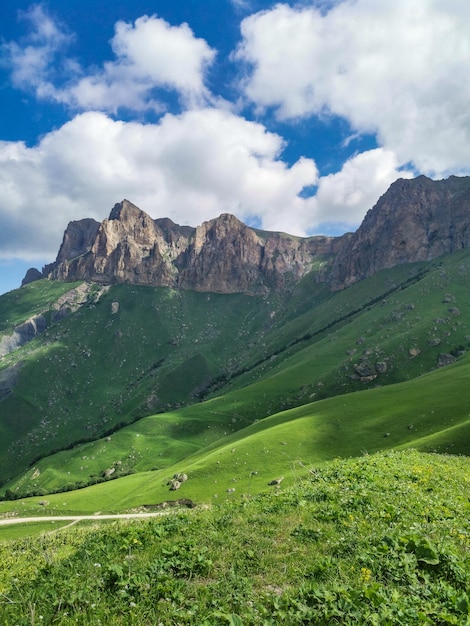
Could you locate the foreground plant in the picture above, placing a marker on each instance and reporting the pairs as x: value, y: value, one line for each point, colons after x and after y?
x: 379, y: 540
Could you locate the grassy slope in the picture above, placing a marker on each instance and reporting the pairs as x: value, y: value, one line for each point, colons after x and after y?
x: 96, y: 369
x: 305, y: 353
x: 21, y: 304
x: 382, y: 539
x: 432, y: 415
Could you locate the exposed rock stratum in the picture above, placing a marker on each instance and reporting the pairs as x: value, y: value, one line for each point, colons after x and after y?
x: 415, y: 220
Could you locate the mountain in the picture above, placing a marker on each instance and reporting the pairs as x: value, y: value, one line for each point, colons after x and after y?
x: 150, y: 347
x: 220, y: 256
x: 415, y: 220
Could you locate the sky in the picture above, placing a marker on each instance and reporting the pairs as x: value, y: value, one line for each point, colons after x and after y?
x: 293, y: 116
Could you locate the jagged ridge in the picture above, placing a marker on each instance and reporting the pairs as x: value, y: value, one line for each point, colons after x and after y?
x: 415, y: 220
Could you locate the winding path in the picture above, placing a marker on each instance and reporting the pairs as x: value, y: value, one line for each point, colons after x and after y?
x: 77, y: 518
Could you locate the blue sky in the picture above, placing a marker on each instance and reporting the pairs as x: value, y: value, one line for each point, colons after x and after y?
x: 294, y: 116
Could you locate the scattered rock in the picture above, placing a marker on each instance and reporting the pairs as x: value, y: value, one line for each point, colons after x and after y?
x: 445, y: 359
x: 231, y: 490
x: 169, y: 503
x: 434, y: 341
x: 276, y: 481
x: 368, y: 379
x: 381, y: 367
x: 175, y: 485
x: 414, y: 352
x: 454, y: 310
x: 364, y: 368
x: 180, y: 477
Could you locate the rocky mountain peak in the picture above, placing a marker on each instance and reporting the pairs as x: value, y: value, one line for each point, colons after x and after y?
x: 415, y: 220
x: 221, y: 255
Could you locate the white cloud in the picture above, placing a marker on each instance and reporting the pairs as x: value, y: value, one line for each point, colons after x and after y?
x: 31, y: 60
x: 149, y: 55
x: 343, y: 198
x: 241, y: 5
x: 396, y: 68
x: 190, y: 167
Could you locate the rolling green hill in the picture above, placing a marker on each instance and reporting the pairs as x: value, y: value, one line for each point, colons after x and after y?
x: 324, y: 437
x: 230, y: 388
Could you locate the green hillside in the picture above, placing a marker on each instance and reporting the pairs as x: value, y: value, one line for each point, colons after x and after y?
x: 306, y: 377
x: 432, y: 416
x: 382, y: 539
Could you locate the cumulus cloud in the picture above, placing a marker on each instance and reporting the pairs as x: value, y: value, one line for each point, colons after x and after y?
x: 33, y: 59
x: 360, y: 60
x: 397, y: 69
x: 343, y: 198
x: 190, y: 167
x: 149, y: 55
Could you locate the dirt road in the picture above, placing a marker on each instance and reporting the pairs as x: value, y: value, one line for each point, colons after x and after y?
x: 77, y: 518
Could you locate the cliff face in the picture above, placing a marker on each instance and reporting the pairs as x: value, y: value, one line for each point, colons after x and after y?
x: 222, y: 255
x: 415, y: 220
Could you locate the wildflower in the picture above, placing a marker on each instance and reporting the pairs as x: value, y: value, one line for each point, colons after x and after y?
x: 365, y: 574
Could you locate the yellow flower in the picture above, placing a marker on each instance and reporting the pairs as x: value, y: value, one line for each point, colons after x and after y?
x: 365, y: 574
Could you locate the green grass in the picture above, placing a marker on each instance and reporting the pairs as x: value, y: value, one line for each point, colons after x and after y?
x: 95, y: 370
x: 432, y: 416
x: 20, y: 304
x: 382, y: 539
x: 256, y: 359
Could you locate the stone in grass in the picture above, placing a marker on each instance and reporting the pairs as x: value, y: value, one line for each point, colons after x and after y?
x: 445, y: 359
x: 381, y: 367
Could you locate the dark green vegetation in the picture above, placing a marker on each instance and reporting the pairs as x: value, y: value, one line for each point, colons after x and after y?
x: 138, y: 355
x: 381, y: 540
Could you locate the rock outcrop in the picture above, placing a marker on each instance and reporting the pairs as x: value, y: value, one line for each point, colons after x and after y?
x: 22, y: 333
x: 415, y: 220
x: 222, y: 255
